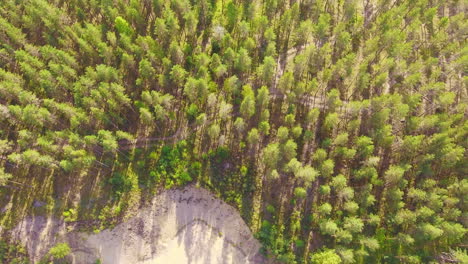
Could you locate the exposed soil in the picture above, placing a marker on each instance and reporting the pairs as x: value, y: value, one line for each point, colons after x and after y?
x: 180, y: 226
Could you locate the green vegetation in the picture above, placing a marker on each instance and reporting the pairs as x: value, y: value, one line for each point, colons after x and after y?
x: 12, y: 252
x: 59, y: 251
x: 337, y: 128
x: 57, y: 254
x: 325, y: 257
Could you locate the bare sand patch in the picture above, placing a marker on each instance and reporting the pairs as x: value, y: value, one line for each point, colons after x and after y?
x: 180, y: 226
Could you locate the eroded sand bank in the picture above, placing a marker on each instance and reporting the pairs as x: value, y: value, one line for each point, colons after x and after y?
x: 181, y: 226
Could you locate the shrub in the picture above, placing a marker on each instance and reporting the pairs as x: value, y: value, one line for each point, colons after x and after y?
x: 59, y: 251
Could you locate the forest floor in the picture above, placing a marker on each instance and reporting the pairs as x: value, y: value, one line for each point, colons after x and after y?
x: 186, y: 225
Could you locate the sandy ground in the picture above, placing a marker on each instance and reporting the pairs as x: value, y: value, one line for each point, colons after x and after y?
x: 181, y: 226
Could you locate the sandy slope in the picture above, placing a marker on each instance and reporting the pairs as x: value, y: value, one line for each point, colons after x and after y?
x: 180, y: 226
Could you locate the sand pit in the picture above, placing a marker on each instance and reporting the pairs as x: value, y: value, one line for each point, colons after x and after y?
x: 181, y: 226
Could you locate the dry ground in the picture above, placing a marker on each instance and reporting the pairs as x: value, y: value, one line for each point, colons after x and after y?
x: 180, y: 226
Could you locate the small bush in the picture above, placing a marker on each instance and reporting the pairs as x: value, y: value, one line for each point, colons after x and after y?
x: 70, y: 215
x: 59, y: 251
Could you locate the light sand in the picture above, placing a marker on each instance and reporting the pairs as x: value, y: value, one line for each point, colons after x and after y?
x: 181, y: 226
